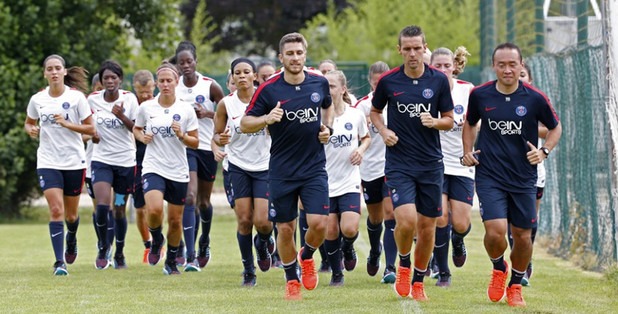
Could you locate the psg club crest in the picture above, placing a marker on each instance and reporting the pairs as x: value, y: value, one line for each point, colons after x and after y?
x: 315, y: 97
x: 66, y: 105
x: 348, y: 126
x: 176, y: 117
x: 427, y: 93
x: 200, y: 99
x: 521, y: 111
x: 459, y: 109
x: 41, y: 182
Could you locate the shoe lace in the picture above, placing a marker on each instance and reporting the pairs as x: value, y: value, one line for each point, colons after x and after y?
x: 293, y: 288
x: 404, y: 274
x: 498, y: 279
x: 516, y: 295
x: 308, y: 269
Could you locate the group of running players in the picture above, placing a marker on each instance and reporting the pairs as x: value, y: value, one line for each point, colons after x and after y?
x: 297, y: 139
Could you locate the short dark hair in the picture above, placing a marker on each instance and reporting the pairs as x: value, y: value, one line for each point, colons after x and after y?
x: 411, y: 31
x: 113, y: 66
x: 292, y: 38
x: 185, y: 45
x: 527, y: 67
x: 510, y: 46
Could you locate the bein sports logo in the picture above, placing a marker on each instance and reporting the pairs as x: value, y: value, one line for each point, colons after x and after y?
x: 505, y: 127
x: 110, y: 123
x: 414, y: 110
x: 306, y: 115
x: 339, y: 141
x: 163, y: 131
x: 49, y: 118
x: 261, y: 132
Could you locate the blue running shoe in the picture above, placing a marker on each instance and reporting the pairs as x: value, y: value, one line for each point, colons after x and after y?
x: 336, y: 280
x: 60, y: 269
x: 389, y: 275
x: 120, y: 262
x: 248, y: 278
x: 170, y: 268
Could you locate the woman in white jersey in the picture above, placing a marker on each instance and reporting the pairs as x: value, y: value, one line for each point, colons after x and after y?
x: 248, y: 155
x: 458, y: 187
x: 203, y: 93
x: 113, y: 158
x: 167, y: 125
x: 221, y: 155
x: 57, y: 116
x: 343, y: 156
x: 375, y: 192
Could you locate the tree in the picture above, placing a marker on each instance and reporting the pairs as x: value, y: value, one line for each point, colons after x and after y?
x: 368, y: 30
x: 84, y: 32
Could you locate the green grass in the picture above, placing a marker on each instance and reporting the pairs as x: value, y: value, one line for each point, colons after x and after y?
x: 27, y: 284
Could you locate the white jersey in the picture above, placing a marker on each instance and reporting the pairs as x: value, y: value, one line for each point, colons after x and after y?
x: 166, y: 155
x: 372, y: 166
x: 349, y: 128
x: 248, y: 151
x: 59, y: 147
x: 89, y: 150
x: 450, y: 140
x: 199, y: 95
x: 117, y: 145
x: 540, y: 170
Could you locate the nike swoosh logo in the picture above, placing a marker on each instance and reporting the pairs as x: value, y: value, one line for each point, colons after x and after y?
x: 186, y: 228
x: 489, y: 108
x: 56, y: 234
x: 236, y: 117
x: 397, y: 93
x: 305, y: 229
x: 281, y: 102
x: 331, y: 253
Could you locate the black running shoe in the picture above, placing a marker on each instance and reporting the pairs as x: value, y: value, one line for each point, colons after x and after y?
x: 349, y: 259
x: 180, y: 254
x: 248, y: 278
x: 102, y: 262
x: 203, y: 256
x: 264, y: 258
x: 373, y: 262
x: 119, y: 261
x: 444, y: 280
x: 154, y: 256
x: 336, y: 280
x: 324, y: 266
x: 70, y: 254
x: 459, y: 252
x: 170, y: 268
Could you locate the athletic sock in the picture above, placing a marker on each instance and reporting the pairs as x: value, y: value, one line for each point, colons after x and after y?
x: 390, y: 248
x: 102, y: 212
x: 419, y: 275
x: 172, y: 251
x: 509, y: 236
x: 291, y: 271
x: 348, y: 243
x: 56, y: 234
x: 333, y: 252
x: 246, y: 250
x: 308, y: 251
x: 499, y: 263
x: 460, y: 236
x: 206, y: 221
x: 188, y: 224
x: 196, y: 225
x: 147, y: 244
x: 157, y: 234
x: 404, y: 260
x: 94, y: 224
x: 111, y: 227
x: 516, y: 277
x: 440, y: 249
x: 303, y: 226
x: 374, y: 232
x: 121, y: 233
x: 72, y: 230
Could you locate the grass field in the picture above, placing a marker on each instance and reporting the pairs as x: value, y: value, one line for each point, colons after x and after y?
x: 27, y: 284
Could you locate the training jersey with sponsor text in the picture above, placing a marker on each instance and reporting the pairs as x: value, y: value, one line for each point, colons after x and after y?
x: 450, y: 140
x: 199, y: 95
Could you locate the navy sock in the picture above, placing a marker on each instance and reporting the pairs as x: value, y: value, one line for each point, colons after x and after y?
x: 111, y: 227
x: 72, y: 230
x: 302, y: 223
x: 533, y: 234
x: 333, y: 252
x: 348, y: 243
x: 101, y: 223
x: 157, y: 234
x: 509, y: 236
x: 94, y: 224
x: 374, y: 232
x: 419, y: 275
x: 172, y: 251
x: 245, y: 244
x: 196, y: 225
x: 121, y: 233
x: 440, y: 249
x: 390, y: 248
x: 206, y: 221
x: 147, y: 244
x: 460, y: 236
x: 322, y: 250
x: 291, y: 271
x: 404, y: 260
x: 516, y: 277
x: 188, y: 225
x: 56, y: 233
x: 308, y: 251
x: 499, y: 263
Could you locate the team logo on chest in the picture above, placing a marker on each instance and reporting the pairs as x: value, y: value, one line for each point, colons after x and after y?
x: 348, y: 126
x: 427, y: 93
x: 521, y: 111
x: 200, y: 99
x: 66, y: 105
x: 315, y: 97
x: 176, y: 117
x: 459, y: 109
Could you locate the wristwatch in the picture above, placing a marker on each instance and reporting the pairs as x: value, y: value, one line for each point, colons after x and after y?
x: 545, y: 151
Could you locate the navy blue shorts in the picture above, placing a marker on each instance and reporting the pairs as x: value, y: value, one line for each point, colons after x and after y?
x: 539, y: 193
x: 284, y: 194
x: 374, y: 191
x: 252, y: 184
x: 518, y: 208
x: 227, y: 186
x: 89, y: 188
x: 138, y: 193
x: 173, y: 192
x: 120, y: 178
x: 422, y: 188
x: 458, y: 188
x: 70, y: 181
x: 349, y: 202
x: 203, y: 162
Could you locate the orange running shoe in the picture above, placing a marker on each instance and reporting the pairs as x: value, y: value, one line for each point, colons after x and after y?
x: 145, y: 259
x: 496, y: 290
x: 418, y: 292
x: 308, y: 274
x: 292, y: 290
x: 402, y: 282
x: 514, y: 297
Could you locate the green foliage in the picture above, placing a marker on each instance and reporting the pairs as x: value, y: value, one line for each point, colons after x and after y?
x: 85, y: 33
x: 203, y: 26
x: 368, y: 31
